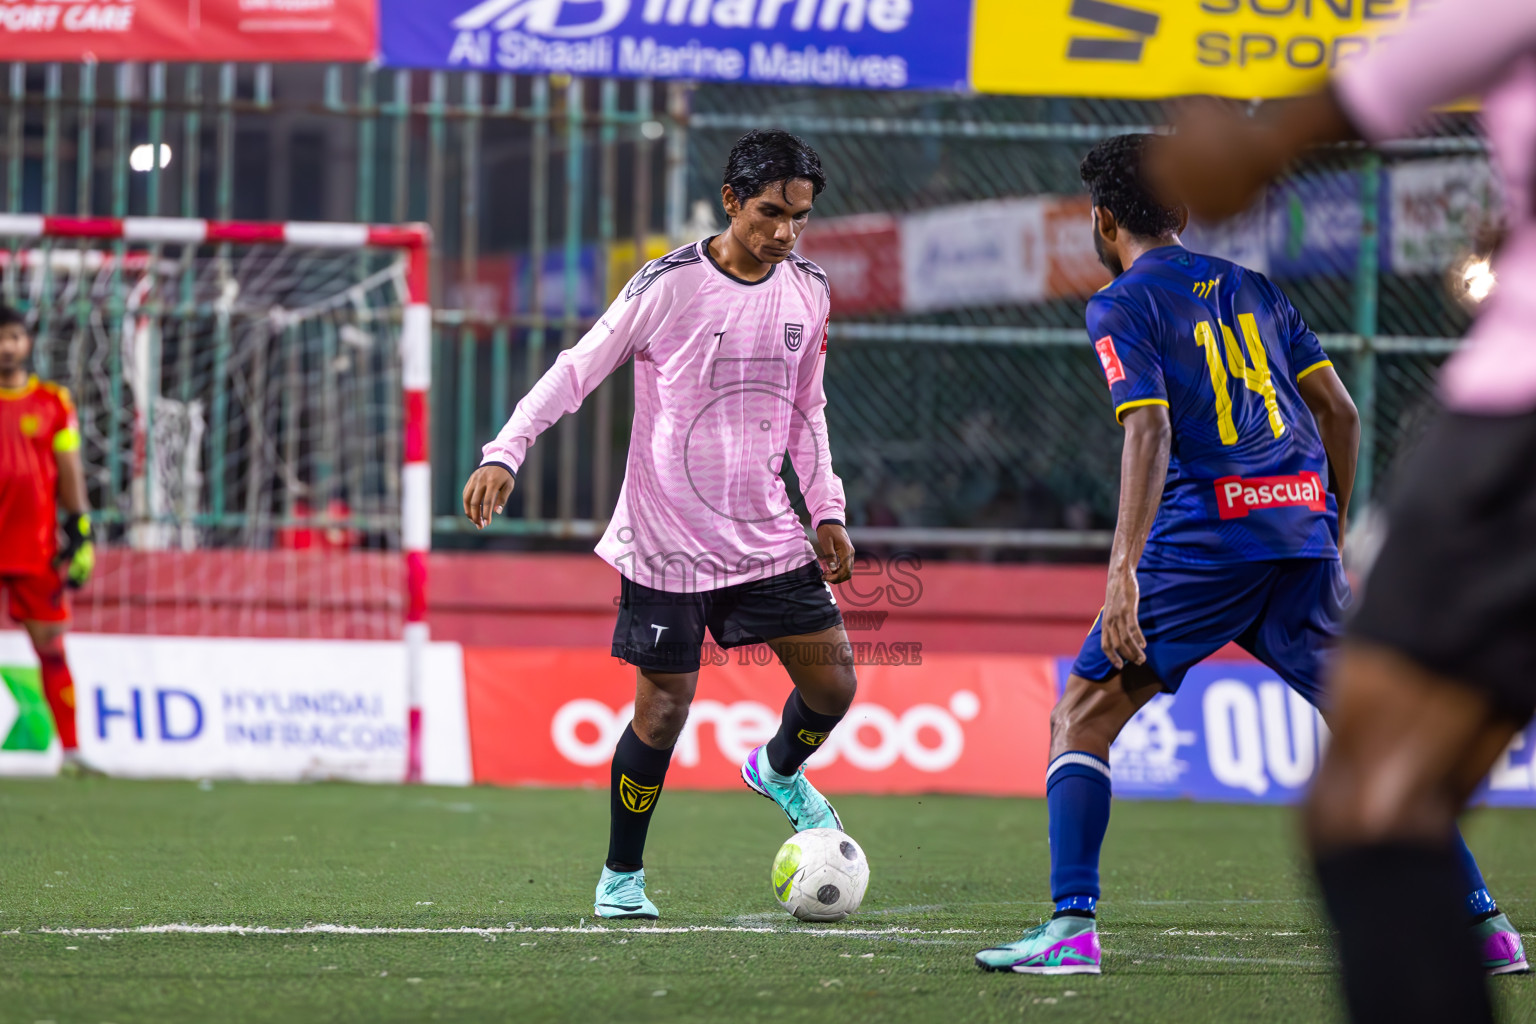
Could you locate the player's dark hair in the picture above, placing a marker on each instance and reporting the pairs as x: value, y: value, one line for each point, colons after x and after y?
x: 1115, y: 174
x: 768, y: 156
x: 10, y: 315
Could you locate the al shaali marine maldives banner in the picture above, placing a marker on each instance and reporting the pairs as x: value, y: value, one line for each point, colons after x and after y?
x: 861, y: 44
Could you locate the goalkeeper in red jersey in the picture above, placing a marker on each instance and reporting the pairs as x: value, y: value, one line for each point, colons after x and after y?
x: 40, y: 476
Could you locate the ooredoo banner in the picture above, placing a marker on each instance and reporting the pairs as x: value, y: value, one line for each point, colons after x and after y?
x: 188, y: 30
x: 921, y: 723
x: 856, y: 44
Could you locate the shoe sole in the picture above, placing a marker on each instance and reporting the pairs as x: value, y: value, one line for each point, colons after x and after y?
x: 1522, y: 967
x: 760, y: 791
x: 625, y: 916
x: 1018, y: 969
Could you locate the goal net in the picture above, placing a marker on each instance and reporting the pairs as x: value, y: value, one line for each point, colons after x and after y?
x: 252, y: 416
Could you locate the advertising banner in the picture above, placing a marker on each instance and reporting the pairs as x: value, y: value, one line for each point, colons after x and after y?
x: 1072, y: 264
x: 862, y: 258
x: 1236, y: 733
x: 188, y: 30
x: 853, y: 44
x: 922, y: 722
x: 1244, y: 49
x: 1314, y: 225
x: 195, y: 707
x: 974, y: 254
x: 28, y: 743
x: 1438, y: 210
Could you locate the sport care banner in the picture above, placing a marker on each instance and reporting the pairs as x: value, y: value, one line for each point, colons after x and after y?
x: 195, y: 707
x: 949, y: 723
x: 1149, y: 49
x: 856, y: 44
x: 1235, y: 733
x: 188, y: 30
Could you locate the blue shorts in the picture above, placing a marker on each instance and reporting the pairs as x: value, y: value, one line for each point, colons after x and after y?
x: 1285, y: 613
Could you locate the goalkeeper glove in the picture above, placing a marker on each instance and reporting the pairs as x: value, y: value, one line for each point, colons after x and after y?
x: 77, y: 555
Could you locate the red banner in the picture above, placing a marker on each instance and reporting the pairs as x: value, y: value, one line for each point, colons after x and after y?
x: 188, y: 30
x: 959, y: 723
x: 862, y: 258
x: 1074, y: 269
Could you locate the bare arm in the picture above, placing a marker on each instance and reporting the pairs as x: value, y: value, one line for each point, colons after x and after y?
x: 1219, y: 160
x: 810, y: 451
x: 72, y: 497
x: 1143, y: 472
x: 1339, y: 424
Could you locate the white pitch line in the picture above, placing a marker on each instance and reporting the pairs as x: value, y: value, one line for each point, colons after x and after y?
x: 348, y: 929
x: 1254, y: 960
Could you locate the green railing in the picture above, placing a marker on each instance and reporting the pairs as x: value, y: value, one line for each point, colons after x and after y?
x: 543, y: 193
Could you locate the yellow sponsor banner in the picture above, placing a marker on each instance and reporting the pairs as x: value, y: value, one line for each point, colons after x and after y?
x: 623, y: 262
x: 1150, y: 49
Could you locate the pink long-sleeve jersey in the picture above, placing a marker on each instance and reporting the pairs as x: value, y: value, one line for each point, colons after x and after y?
x: 1460, y: 48
x: 728, y: 379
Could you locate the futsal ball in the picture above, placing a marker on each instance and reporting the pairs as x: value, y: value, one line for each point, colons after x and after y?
x: 820, y: 875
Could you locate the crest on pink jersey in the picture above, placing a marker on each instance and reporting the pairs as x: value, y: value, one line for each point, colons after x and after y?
x: 794, y: 337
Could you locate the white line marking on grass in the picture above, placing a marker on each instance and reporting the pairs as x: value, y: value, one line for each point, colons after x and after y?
x: 1259, y: 961
x: 347, y: 929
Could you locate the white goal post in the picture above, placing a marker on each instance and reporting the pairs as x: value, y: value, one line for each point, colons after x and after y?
x: 254, y: 399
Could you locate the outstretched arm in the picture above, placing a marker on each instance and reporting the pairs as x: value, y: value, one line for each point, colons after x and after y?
x: 1143, y: 472
x: 577, y: 371
x: 1218, y: 159
x: 1339, y: 424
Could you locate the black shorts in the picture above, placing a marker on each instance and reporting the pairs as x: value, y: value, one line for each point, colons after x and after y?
x: 1454, y: 587
x: 664, y: 632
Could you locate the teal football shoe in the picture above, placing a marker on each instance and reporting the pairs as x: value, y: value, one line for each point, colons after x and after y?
x: 1062, y: 945
x: 800, y: 801
x: 621, y: 895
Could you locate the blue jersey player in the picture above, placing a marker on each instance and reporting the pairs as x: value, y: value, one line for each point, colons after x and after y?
x: 1239, y: 457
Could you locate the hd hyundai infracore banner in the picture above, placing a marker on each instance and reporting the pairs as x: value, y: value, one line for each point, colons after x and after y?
x: 855, y: 44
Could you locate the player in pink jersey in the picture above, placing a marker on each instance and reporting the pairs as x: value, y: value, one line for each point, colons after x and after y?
x: 729, y: 341
x: 1437, y: 676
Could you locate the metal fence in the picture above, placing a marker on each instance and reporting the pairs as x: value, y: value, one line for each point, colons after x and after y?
x: 977, y: 427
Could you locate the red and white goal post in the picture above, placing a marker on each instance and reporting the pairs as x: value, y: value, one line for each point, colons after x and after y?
x: 254, y: 417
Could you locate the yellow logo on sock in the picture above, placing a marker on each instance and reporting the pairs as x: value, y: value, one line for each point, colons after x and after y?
x: 636, y: 797
x: 811, y: 739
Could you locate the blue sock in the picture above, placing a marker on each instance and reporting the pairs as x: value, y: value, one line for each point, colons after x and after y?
x: 1479, y: 903
x: 1077, y: 794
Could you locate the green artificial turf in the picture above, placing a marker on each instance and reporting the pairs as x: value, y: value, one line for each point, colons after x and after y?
x: 1207, y: 915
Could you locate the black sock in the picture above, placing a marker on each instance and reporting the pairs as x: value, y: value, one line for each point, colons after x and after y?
x: 635, y: 786
x: 1404, y: 946
x: 800, y: 733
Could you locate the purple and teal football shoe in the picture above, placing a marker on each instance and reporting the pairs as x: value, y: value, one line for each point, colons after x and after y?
x: 801, y: 802
x: 1500, y: 946
x: 1062, y: 945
